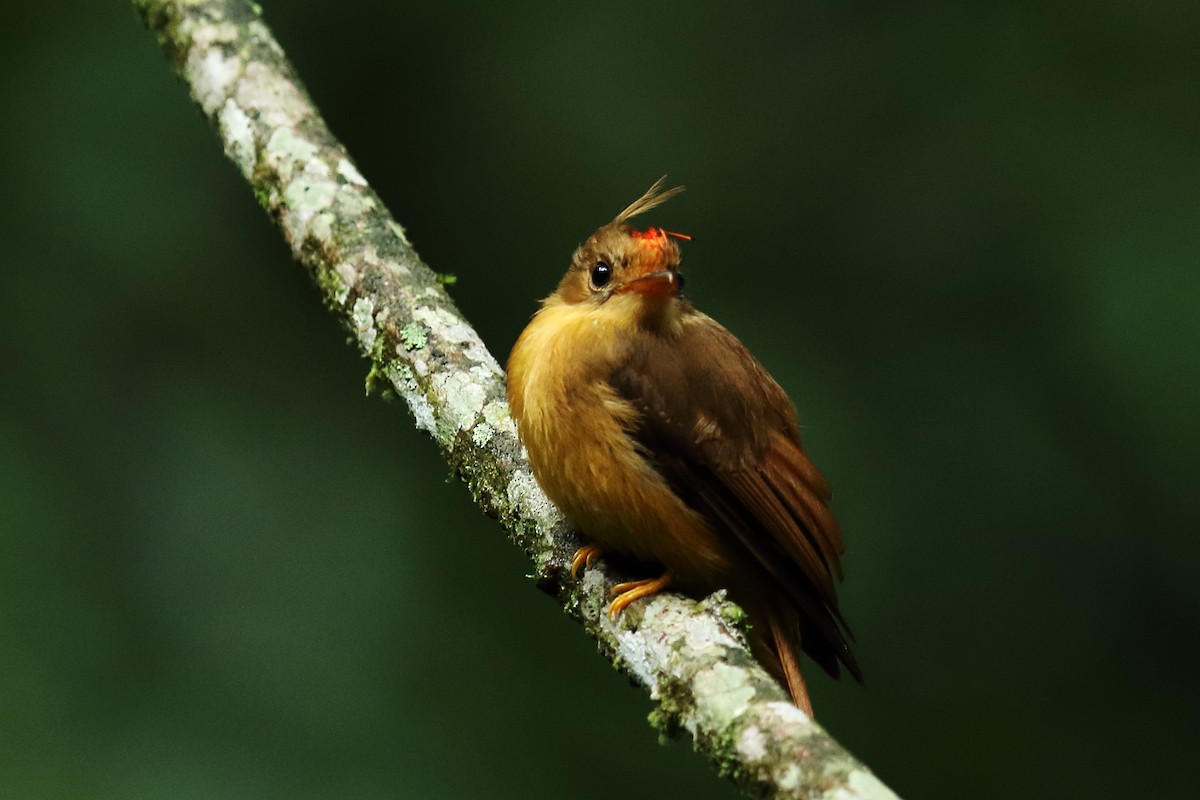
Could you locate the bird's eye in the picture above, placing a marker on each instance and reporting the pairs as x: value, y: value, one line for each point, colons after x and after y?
x: 601, y: 274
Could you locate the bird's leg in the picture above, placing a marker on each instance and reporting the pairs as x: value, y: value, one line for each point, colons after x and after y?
x: 629, y: 591
x: 585, y: 557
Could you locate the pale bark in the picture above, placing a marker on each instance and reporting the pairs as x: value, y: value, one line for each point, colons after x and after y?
x: 690, y: 656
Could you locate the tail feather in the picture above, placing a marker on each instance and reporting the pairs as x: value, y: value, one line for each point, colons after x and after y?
x: 785, y: 636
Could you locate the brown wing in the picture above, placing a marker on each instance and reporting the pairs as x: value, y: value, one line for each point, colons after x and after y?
x: 727, y: 442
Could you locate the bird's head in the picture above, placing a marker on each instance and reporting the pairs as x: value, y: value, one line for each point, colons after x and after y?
x: 637, y: 269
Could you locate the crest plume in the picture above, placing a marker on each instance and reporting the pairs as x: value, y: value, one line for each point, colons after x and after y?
x: 653, y: 197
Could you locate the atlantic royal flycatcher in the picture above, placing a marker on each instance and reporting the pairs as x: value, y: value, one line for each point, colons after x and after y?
x: 665, y: 442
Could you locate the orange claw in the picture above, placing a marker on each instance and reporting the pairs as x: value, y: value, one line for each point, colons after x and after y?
x: 627, y: 592
x: 585, y: 557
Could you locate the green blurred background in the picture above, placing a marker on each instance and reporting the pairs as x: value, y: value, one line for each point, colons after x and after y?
x: 964, y: 238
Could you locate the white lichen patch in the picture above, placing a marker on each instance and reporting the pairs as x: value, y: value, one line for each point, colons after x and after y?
x: 405, y: 383
x: 237, y: 133
x: 667, y: 615
x: 321, y: 229
x: 788, y: 714
x: 484, y: 374
x: 316, y: 168
x: 422, y: 411
x: 481, y: 434
x: 530, y: 503
x: 276, y: 99
x: 631, y: 647
x: 450, y: 329
x: 353, y: 203
x: 286, y: 150
x: 706, y: 634
x: 723, y: 693
x: 211, y: 75
x: 752, y: 744
x: 462, y: 399
x: 304, y: 198
x: 659, y: 640
x: 347, y: 278
x: 350, y: 172
x: 788, y: 778
x: 497, y: 415
x: 363, y: 317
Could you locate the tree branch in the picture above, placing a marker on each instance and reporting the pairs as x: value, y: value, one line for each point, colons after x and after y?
x: 691, y: 656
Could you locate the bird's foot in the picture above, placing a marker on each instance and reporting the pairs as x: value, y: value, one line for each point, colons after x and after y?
x: 627, y: 592
x: 584, y: 558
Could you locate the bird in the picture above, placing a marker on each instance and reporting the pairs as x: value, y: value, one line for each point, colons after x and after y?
x: 668, y: 445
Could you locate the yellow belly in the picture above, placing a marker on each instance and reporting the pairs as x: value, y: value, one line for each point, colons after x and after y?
x: 574, y: 428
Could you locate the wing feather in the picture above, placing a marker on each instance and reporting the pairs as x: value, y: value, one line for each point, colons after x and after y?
x: 727, y: 443
x: 792, y: 475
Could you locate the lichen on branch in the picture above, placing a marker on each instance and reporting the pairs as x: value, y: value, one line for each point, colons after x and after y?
x: 691, y: 656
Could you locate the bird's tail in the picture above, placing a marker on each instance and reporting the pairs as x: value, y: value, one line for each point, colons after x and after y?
x: 783, y: 640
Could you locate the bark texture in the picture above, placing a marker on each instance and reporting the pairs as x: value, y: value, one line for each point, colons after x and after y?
x: 691, y: 656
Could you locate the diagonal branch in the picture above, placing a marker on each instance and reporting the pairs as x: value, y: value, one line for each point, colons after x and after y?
x: 691, y: 656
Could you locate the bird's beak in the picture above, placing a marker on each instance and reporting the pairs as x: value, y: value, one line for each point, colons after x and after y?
x: 662, y: 283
